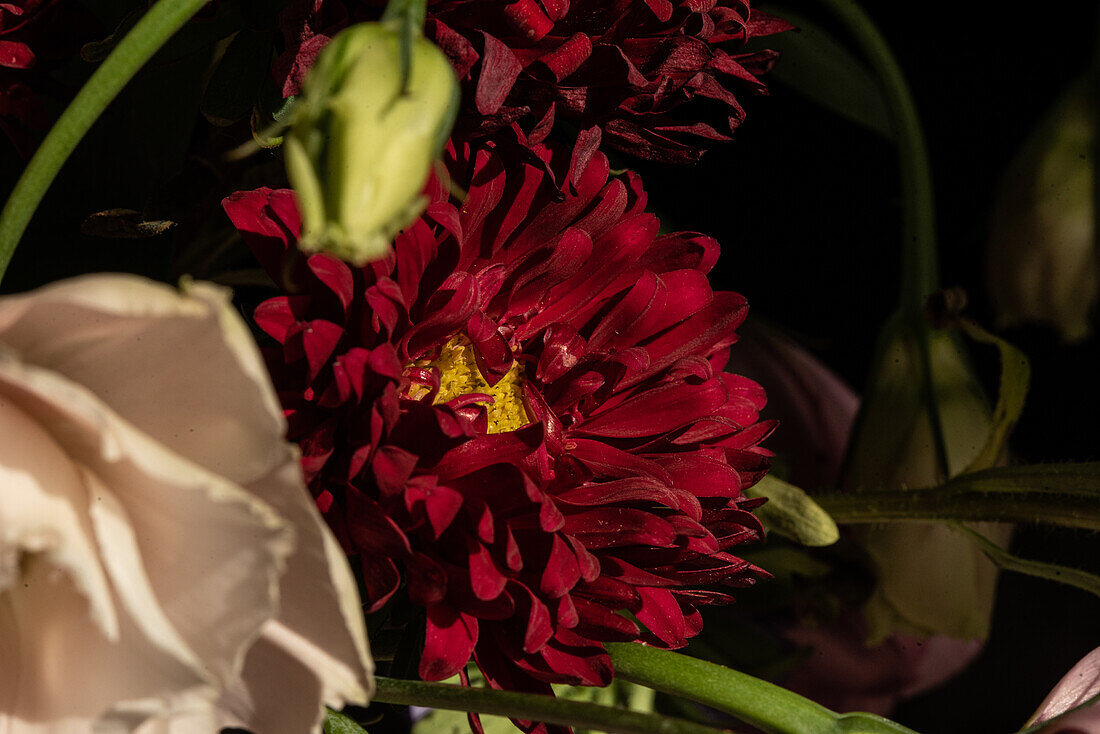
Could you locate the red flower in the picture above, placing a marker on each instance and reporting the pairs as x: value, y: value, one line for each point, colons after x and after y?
x: 33, y: 34
x: 20, y: 110
x: 655, y: 78
x: 522, y: 414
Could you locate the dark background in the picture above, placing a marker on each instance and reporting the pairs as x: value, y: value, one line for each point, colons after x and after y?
x: 806, y: 206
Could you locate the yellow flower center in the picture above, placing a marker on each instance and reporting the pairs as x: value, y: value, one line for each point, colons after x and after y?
x: 459, y: 375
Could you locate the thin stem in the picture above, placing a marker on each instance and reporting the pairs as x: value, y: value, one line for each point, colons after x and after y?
x: 414, y: 10
x: 137, y: 47
x: 919, y: 268
x: 409, y: 15
x: 1063, y: 495
x: 531, y: 706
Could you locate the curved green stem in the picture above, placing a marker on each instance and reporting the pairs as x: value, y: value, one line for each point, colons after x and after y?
x: 764, y: 705
x: 759, y: 703
x: 531, y: 706
x: 919, y: 269
x: 144, y: 39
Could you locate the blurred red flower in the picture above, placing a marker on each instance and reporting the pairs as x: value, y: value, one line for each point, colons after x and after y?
x: 21, y: 112
x: 655, y: 78
x: 522, y: 413
x: 35, y: 36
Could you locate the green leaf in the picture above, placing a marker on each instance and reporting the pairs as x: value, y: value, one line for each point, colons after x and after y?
x: 818, y: 67
x: 337, y: 723
x: 1015, y: 377
x: 1049, y: 571
x: 790, y: 512
x: 235, y: 83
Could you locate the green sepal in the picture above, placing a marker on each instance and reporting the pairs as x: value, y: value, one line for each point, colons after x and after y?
x: 1015, y: 378
x: 1049, y: 571
x: 792, y: 513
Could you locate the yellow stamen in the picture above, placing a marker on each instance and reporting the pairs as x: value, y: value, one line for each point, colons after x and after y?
x: 459, y: 375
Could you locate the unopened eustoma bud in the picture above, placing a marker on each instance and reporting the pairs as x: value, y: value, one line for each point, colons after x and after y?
x: 364, y: 138
x: 931, y: 579
x: 1041, y: 264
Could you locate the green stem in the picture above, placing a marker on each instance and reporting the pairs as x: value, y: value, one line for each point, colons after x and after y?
x: 409, y: 16
x: 759, y: 703
x: 1052, y: 495
x: 531, y: 706
x: 413, y: 10
x: 139, y: 45
x: 919, y: 269
x: 764, y: 705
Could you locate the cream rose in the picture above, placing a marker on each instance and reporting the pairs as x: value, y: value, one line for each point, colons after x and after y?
x: 162, y: 567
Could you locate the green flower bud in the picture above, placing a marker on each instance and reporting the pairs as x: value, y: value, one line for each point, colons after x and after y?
x: 364, y: 139
x: 930, y: 578
x: 1041, y: 264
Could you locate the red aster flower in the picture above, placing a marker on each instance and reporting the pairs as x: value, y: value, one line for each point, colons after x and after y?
x: 20, y: 110
x: 655, y: 78
x: 521, y: 414
x: 32, y: 32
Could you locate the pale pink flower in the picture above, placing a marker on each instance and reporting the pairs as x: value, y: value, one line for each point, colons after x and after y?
x: 1077, y: 687
x: 162, y: 567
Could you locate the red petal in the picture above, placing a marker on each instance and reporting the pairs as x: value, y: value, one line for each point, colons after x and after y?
x: 528, y: 19
x: 610, y: 527
x: 562, y: 571
x: 392, y: 467
x: 335, y: 275
x: 380, y: 580
x: 426, y: 580
x: 448, y: 642
x: 661, y: 614
x: 538, y: 629
x: 657, y: 411
x: 276, y: 318
x: 494, y: 357
x: 597, y: 622
x: 568, y: 57
x: 499, y: 70
x: 486, y: 580
x: 497, y: 448
x: 438, y: 503
x: 15, y: 55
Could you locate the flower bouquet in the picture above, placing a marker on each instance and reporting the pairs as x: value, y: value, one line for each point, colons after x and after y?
x: 359, y: 372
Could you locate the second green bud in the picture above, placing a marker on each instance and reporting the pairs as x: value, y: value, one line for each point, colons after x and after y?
x: 364, y: 137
